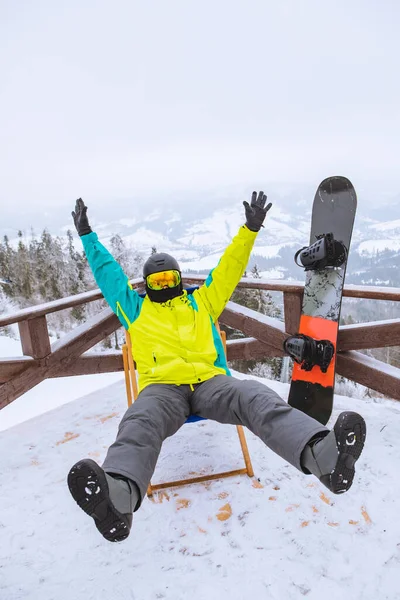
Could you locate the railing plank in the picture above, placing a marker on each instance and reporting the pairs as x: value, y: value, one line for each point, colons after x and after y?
x: 9, y: 367
x: 265, y: 329
x: 49, y: 307
x: 370, y: 372
x: 295, y: 287
x: 92, y: 363
x: 363, y: 336
x: 249, y: 349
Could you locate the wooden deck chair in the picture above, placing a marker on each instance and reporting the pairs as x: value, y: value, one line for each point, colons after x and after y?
x: 132, y: 393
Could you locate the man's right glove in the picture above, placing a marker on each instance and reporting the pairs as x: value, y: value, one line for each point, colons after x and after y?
x: 80, y: 218
x: 255, y: 212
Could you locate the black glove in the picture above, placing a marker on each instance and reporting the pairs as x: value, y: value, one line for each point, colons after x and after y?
x: 80, y: 218
x: 255, y: 212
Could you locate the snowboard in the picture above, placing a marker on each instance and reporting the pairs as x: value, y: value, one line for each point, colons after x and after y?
x: 333, y: 212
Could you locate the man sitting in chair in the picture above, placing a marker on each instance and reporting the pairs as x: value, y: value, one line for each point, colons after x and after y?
x: 182, y: 371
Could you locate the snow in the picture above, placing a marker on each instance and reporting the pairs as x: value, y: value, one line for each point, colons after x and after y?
x: 209, y: 233
x: 51, y: 394
x: 283, y: 232
x: 9, y: 347
x: 269, y: 251
x: 386, y: 226
x: 175, y: 218
x: 281, y: 535
x: 181, y: 254
x: 272, y: 274
x: 125, y: 222
x: 207, y: 262
x: 373, y: 246
x: 145, y: 238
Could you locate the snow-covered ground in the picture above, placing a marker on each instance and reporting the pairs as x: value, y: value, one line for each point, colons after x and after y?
x: 49, y: 394
x: 280, y: 536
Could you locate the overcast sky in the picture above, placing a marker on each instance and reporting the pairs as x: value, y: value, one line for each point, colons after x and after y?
x: 109, y: 100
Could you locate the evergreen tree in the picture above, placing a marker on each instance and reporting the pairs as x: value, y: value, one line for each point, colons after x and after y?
x: 47, y: 268
x: 3, y: 264
x: 77, y: 281
x: 130, y: 260
x: 23, y: 270
x: 262, y: 302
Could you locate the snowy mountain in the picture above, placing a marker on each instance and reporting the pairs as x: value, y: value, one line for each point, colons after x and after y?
x: 197, y: 226
x: 198, y: 241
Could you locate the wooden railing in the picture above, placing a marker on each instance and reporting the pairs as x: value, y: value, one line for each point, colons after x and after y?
x: 264, y: 338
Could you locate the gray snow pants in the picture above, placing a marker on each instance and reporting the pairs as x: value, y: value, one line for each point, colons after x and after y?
x: 161, y: 409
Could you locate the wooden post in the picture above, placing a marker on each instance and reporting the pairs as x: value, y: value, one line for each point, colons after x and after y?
x: 292, y: 304
x: 35, y: 337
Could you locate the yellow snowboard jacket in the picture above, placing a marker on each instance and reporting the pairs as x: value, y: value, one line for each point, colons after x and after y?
x: 174, y: 342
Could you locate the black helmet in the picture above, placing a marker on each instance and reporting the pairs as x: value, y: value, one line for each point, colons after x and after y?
x: 162, y: 262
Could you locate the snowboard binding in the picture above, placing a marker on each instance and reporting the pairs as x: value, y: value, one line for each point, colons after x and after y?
x: 325, y: 252
x: 308, y: 352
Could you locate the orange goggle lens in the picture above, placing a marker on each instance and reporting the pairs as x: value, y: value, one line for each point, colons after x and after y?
x: 163, y: 279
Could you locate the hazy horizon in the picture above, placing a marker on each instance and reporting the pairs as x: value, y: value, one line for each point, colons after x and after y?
x: 144, y: 102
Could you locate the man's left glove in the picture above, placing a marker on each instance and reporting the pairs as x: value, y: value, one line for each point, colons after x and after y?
x: 80, y: 218
x: 256, y: 211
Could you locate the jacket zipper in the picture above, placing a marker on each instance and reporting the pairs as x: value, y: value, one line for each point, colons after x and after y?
x: 119, y: 309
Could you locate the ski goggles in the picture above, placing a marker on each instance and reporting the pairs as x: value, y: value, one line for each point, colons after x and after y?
x: 163, y: 279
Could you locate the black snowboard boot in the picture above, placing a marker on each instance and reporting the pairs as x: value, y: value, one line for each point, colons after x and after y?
x: 109, y: 500
x: 332, y: 457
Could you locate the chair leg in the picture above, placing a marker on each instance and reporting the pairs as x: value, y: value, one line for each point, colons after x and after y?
x: 245, y: 450
x: 131, y: 364
x: 126, y: 373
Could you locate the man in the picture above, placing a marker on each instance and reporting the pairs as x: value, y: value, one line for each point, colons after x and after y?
x: 182, y: 370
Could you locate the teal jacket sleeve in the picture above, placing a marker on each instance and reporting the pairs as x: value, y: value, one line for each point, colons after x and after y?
x: 112, y: 281
x: 222, y: 281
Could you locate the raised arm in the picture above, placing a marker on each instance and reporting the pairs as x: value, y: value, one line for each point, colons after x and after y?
x: 223, y: 279
x: 109, y: 276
